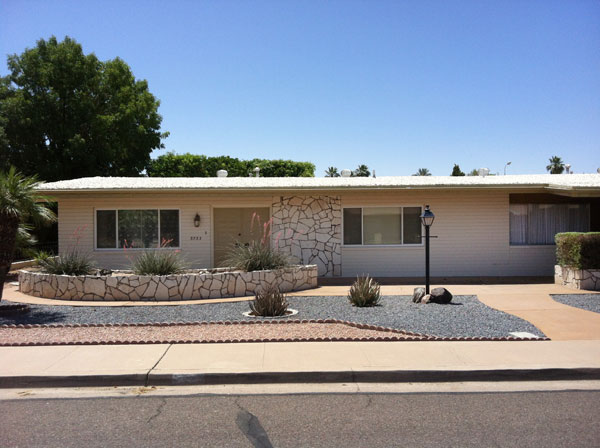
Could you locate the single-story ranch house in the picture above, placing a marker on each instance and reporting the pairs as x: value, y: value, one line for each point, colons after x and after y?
x: 484, y: 226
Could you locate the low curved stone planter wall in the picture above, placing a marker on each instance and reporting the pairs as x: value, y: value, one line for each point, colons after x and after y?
x: 588, y: 279
x: 200, y: 284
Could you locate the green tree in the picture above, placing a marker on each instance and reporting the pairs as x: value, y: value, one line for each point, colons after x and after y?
x: 556, y: 166
x: 422, y: 172
x: 332, y: 171
x: 456, y: 171
x: 19, y: 202
x: 64, y: 114
x: 194, y: 165
x: 473, y: 172
x: 361, y: 171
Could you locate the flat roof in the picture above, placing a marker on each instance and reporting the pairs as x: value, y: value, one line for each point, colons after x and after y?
x: 573, y: 182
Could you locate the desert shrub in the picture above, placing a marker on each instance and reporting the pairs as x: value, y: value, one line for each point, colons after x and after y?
x: 364, y: 292
x: 41, y: 255
x: 158, y: 262
x: 578, y: 250
x: 269, y: 302
x: 256, y: 256
x: 70, y: 263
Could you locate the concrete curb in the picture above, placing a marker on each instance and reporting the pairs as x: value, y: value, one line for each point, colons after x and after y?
x: 347, y: 376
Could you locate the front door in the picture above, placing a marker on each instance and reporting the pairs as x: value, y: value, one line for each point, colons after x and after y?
x: 237, y: 226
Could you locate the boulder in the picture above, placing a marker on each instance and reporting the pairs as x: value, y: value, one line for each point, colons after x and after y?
x: 441, y: 296
x: 418, y: 295
x: 426, y: 298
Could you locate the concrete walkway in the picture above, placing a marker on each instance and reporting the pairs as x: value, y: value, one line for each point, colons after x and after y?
x: 531, y: 302
x: 301, y: 362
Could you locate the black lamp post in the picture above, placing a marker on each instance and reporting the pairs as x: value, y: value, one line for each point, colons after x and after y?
x: 427, y: 218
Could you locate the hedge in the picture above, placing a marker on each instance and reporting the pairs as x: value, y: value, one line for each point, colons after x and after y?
x: 195, y: 165
x: 578, y: 250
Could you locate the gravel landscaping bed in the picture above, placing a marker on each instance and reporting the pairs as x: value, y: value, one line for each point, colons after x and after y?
x: 588, y: 302
x: 465, y: 317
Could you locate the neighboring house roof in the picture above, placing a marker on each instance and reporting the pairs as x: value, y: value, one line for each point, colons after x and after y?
x: 560, y: 182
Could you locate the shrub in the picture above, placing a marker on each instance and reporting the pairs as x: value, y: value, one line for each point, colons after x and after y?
x: 158, y: 262
x: 578, y: 250
x: 364, y: 292
x: 269, y: 302
x: 256, y: 256
x: 40, y: 256
x: 71, y: 263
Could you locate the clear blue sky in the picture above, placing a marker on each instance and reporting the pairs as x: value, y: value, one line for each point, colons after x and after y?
x: 396, y: 85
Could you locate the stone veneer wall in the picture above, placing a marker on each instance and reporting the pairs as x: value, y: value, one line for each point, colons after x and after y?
x: 310, y: 229
x: 577, y: 278
x: 196, y: 285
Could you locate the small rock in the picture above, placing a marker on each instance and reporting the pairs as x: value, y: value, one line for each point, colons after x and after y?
x: 418, y: 295
x: 441, y: 296
x: 426, y: 298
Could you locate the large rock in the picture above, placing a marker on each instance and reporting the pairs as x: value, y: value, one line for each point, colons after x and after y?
x: 440, y: 295
x: 418, y: 295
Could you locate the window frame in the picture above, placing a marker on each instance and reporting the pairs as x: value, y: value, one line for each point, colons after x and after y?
x: 375, y: 246
x: 116, y: 210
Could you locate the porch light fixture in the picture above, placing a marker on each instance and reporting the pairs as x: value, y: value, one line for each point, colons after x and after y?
x: 427, y: 218
x: 197, y: 220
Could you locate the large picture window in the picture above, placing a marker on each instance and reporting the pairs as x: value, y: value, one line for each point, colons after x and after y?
x: 135, y: 229
x: 537, y: 224
x: 379, y: 226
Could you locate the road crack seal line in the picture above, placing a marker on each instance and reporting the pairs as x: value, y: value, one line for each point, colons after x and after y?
x: 159, y: 409
x: 250, y: 426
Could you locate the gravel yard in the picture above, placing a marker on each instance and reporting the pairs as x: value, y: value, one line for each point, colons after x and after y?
x: 465, y: 317
x: 588, y: 302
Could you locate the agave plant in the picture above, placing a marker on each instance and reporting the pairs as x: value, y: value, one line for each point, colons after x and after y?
x: 364, y: 292
x: 269, y: 302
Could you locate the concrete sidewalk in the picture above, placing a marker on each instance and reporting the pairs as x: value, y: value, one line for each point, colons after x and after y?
x: 300, y: 362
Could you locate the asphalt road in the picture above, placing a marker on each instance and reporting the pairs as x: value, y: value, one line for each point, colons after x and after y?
x: 530, y: 419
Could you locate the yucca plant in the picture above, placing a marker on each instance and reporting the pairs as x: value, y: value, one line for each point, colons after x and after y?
x: 70, y: 263
x: 269, y: 302
x: 255, y: 256
x: 152, y: 262
x: 364, y: 292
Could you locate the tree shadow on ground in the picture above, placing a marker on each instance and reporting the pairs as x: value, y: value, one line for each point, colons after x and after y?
x: 35, y: 316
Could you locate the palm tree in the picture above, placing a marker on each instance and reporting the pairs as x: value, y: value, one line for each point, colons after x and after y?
x: 19, y: 201
x: 332, y: 171
x: 362, y: 171
x: 422, y: 172
x: 556, y: 165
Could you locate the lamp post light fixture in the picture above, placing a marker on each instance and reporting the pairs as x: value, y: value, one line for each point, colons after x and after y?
x: 427, y: 218
x: 505, y: 166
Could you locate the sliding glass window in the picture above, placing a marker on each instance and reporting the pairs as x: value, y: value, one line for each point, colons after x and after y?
x: 137, y: 229
x: 382, y: 226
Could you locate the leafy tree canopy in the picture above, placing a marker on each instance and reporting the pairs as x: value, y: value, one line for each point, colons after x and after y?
x: 64, y: 114
x: 456, y: 171
x: 193, y: 165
